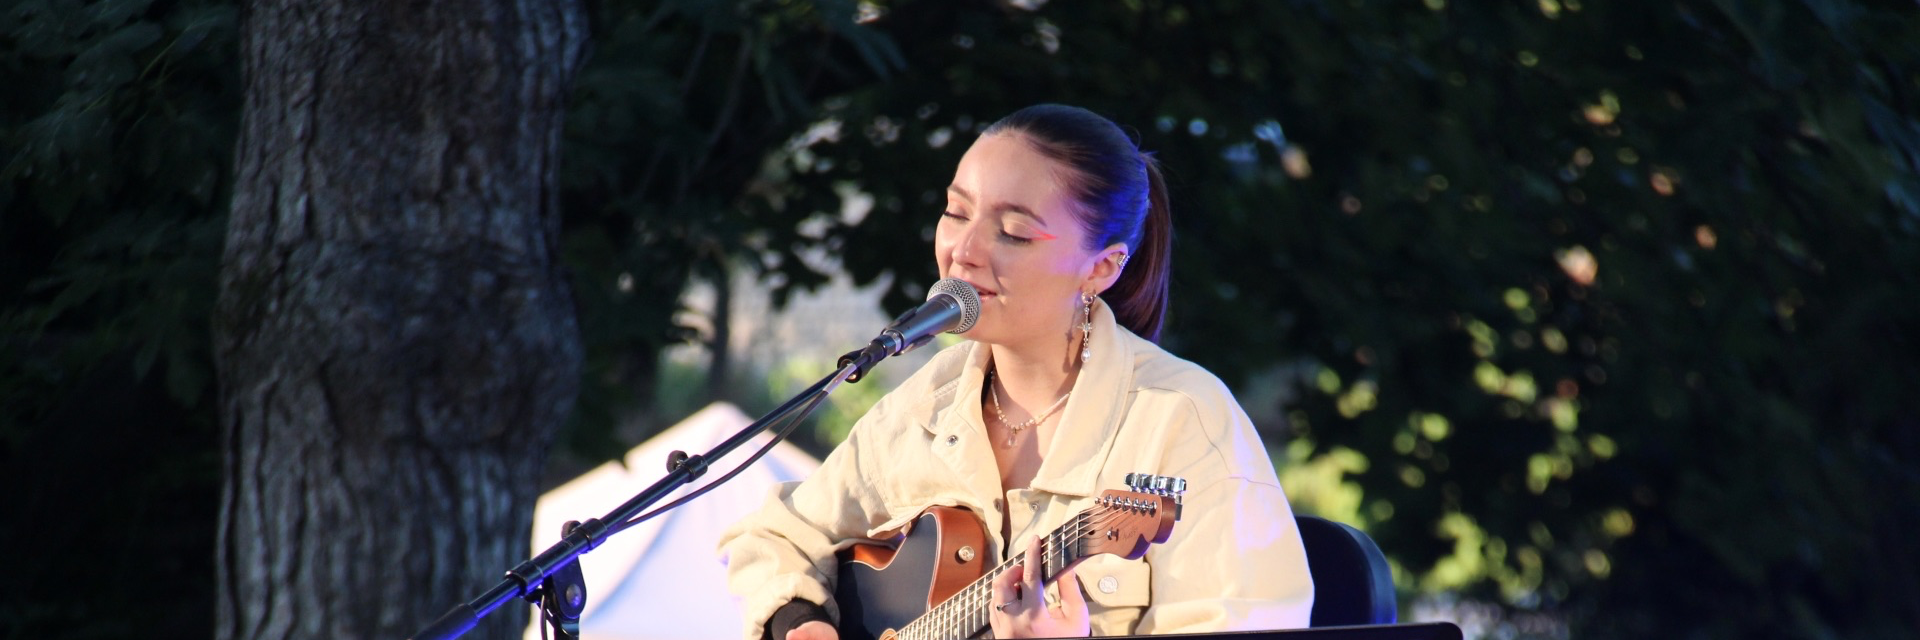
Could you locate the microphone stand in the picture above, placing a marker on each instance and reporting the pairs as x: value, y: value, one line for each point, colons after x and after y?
x: 525, y: 580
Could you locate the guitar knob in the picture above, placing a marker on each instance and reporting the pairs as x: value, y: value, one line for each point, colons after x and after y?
x: 965, y: 554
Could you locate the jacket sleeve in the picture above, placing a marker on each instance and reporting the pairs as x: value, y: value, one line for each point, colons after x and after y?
x: 1235, y: 562
x: 785, y: 550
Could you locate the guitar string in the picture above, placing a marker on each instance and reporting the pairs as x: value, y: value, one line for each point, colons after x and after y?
x: 961, y: 614
x: 970, y: 604
x: 1055, y: 556
x: 967, y: 607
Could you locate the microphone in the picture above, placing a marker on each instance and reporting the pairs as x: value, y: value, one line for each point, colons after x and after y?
x: 952, y: 306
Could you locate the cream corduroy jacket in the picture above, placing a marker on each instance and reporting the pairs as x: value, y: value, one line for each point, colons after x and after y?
x: 1234, y: 561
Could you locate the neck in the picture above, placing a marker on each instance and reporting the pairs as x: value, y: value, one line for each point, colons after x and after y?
x: 1036, y: 371
x: 1033, y: 379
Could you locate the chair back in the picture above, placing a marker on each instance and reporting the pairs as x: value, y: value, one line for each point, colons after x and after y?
x: 1351, y: 582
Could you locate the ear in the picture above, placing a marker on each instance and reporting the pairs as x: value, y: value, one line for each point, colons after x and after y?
x: 1106, y: 268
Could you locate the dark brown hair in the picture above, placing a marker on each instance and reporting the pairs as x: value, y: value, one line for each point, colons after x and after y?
x: 1122, y: 198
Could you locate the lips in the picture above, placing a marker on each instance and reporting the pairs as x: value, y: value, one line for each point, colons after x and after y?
x: 983, y: 291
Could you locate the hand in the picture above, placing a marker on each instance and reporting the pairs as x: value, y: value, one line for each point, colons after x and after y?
x: 813, y: 630
x: 1020, y: 609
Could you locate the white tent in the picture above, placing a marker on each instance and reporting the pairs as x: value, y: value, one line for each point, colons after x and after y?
x: 662, y: 579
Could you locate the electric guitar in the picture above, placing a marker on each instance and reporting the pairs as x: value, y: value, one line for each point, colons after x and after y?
x: 936, y: 585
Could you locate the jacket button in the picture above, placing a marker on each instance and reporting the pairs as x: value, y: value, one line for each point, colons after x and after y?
x: 953, y: 440
x: 1109, y: 584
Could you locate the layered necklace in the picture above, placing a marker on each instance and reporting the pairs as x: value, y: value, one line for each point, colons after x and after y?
x: 1015, y: 429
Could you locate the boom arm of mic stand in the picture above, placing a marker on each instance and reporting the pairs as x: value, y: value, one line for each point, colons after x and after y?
x: 526, y: 578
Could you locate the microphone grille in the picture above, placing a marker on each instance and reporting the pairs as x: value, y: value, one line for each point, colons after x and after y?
x: 968, y: 298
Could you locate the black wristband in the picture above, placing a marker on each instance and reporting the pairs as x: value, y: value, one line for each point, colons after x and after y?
x: 794, y: 613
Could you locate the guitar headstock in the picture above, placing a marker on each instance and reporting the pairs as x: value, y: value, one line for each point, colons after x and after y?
x: 1160, y: 486
x: 1124, y: 523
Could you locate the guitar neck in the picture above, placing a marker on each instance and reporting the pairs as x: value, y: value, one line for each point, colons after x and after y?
x: 968, y: 611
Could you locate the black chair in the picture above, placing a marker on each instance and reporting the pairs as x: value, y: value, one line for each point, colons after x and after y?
x: 1351, y: 582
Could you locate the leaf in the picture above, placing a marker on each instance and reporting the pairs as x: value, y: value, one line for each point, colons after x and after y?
x: 124, y: 42
x: 1904, y: 192
x: 144, y: 358
x: 879, y: 52
x: 1901, y: 133
x: 46, y: 30
x: 112, y: 13
x: 195, y: 24
x: 186, y: 378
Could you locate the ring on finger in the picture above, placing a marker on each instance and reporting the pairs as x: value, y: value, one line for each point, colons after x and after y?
x: 1002, y: 607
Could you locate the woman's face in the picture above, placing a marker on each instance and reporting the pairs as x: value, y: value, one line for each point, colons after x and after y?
x: 1009, y: 230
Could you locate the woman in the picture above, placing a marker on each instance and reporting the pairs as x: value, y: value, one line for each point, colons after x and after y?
x: 1061, y: 224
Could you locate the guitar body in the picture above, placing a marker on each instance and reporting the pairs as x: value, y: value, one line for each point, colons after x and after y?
x: 881, y: 589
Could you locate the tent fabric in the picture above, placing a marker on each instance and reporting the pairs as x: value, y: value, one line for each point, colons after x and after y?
x: 663, y: 579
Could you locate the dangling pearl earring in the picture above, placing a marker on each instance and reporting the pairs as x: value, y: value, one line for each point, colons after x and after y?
x: 1086, y: 327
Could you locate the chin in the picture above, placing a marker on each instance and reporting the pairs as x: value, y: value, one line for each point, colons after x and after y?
x: 980, y: 334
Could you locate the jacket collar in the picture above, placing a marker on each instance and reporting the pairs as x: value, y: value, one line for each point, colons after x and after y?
x: 1088, y: 424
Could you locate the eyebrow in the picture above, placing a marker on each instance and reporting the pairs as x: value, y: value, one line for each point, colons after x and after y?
x: 1004, y: 206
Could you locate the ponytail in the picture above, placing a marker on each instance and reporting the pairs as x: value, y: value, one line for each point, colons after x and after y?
x: 1139, y: 297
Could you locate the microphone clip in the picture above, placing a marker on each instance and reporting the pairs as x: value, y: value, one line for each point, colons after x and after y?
x: 863, y: 358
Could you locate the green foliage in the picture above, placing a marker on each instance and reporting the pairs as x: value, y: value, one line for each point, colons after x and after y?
x: 119, y: 142
x: 116, y: 134
x: 667, y: 130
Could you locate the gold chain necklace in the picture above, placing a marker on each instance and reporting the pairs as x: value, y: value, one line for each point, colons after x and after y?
x: 1014, y: 429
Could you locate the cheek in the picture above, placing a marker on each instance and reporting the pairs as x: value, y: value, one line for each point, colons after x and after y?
x: 1060, y: 268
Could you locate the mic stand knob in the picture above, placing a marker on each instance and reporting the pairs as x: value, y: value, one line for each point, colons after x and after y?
x: 695, y: 465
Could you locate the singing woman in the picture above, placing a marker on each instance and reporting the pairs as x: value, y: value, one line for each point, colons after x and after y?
x: 1062, y: 225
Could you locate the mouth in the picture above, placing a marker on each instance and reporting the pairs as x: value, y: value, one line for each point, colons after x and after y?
x: 983, y: 291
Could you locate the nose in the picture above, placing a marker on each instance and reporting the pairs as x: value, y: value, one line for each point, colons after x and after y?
x: 969, y: 250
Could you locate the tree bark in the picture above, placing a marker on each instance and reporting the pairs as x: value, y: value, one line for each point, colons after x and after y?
x: 396, y: 342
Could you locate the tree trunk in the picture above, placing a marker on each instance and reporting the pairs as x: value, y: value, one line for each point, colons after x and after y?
x: 395, y: 338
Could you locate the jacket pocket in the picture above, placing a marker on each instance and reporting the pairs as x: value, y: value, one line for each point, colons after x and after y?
x: 1117, y: 591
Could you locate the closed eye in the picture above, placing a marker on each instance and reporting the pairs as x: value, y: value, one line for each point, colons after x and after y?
x: 1008, y: 236
x: 1023, y: 233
